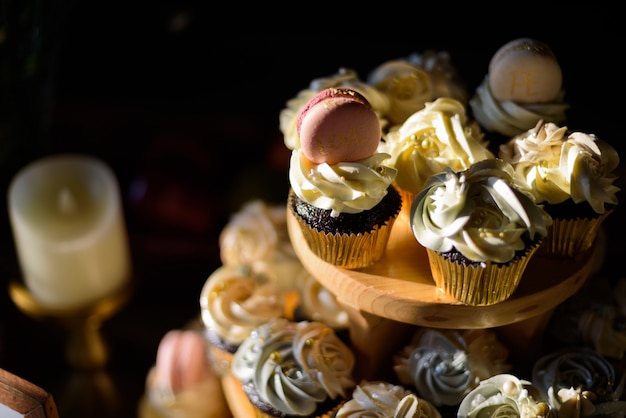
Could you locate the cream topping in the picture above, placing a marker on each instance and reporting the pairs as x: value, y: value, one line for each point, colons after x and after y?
x: 295, y: 365
x: 558, y: 165
x: 233, y: 302
x: 438, y: 136
x: 411, y: 82
x: 345, y: 187
x: 479, y: 212
x: 383, y: 399
x: 510, y: 118
x: 504, y: 395
x: 345, y: 77
x: 256, y: 236
x: 580, y: 382
x: 444, y: 365
x: 320, y: 304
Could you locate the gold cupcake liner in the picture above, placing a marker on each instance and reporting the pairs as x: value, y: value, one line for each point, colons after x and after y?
x: 349, y: 251
x: 478, y: 285
x: 570, y: 237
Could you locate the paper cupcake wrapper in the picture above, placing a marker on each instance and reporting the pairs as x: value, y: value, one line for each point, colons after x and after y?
x: 482, y: 285
x: 349, y: 251
x: 570, y: 237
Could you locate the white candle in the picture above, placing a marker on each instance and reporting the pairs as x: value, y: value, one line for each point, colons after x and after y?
x: 69, y: 230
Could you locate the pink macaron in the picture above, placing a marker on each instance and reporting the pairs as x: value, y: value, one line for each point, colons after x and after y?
x: 338, y: 124
x: 181, y: 361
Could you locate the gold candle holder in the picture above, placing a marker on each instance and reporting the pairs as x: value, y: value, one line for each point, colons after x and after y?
x: 85, y: 347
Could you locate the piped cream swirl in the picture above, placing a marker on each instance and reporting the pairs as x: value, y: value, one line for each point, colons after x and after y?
x: 383, y: 399
x: 344, y: 187
x: 511, y: 118
x: 438, y: 136
x: 295, y: 365
x: 479, y: 211
x: 234, y: 302
x: 559, y: 165
x: 505, y: 395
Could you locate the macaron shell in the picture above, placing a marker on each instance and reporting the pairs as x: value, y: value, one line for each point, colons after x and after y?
x: 181, y: 360
x: 525, y: 71
x: 338, y: 125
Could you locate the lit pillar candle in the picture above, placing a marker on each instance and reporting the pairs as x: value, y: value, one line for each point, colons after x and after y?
x: 69, y: 230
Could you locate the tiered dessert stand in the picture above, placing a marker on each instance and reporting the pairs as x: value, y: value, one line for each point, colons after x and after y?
x: 388, y: 300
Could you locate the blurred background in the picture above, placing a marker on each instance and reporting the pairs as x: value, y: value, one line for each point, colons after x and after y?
x: 182, y: 101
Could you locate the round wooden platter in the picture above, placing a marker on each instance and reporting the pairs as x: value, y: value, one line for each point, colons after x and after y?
x: 400, y: 286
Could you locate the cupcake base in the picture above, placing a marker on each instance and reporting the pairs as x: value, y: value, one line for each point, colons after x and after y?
x: 478, y: 284
x: 348, y: 240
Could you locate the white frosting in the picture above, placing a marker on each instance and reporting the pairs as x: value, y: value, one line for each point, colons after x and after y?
x: 504, y: 395
x: 256, y: 236
x: 320, y: 304
x: 345, y: 187
x: 233, y: 302
x: 295, y: 365
x: 479, y: 212
x: 511, y: 118
x: 558, y: 165
x: 412, y: 81
x: 385, y: 400
x: 438, y: 136
x: 444, y: 365
x: 580, y: 382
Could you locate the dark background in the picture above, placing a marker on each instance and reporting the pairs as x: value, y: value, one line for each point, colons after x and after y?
x: 184, y: 97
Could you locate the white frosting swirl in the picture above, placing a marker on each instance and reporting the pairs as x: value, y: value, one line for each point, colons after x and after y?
x: 558, y: 165
x: 345, y: 187
x: 504, y: 396
x: 444, y: 368
x: 412, y: 81
x: 345, y: 77
x: 233, y: 302
x: 438, y: 136
x: 382, y: 399
x: 479, y: 212
x: 580, y: 383
x: 511, y: 118
x: 294, y: 366
x: 320, y: 304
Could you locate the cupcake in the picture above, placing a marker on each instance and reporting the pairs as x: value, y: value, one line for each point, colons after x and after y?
x: 385, y: 400
x: 444, y: 365
x: 341, y: 193
x: 479, y: 230
x: 436, y: 137
x: 178, y: 384
x: 233, y: 302
x: 294, y: 369
x: 523, y: 86
x: 410, y: 82
x: 256, y: 236
x: 572, y: 175
x: 505, y: 395
x: 580, y: 382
